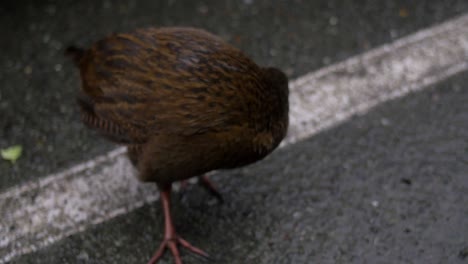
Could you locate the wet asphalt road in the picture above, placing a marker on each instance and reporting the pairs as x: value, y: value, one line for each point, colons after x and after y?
x: 387, y: 187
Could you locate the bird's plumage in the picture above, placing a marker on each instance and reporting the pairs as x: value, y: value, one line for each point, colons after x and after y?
x: 183, y: 100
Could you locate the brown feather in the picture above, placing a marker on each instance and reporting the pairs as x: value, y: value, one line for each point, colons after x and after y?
x: 186, y: 98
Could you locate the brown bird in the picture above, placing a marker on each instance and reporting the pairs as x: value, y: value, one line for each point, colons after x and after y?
x: 184, y: 102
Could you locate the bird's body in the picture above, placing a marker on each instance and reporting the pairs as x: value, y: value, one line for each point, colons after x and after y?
x: 183, y: 101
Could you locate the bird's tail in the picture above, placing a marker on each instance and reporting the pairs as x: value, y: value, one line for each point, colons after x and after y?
x: 75, y: 53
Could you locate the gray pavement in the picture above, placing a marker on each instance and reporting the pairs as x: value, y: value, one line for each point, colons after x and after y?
x: 387, y: 187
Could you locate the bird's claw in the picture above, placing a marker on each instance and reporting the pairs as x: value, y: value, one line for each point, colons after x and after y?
x: 172, y: 244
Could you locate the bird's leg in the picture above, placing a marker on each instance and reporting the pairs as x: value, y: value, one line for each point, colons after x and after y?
x: 205, y: 182
x: 183, y: 185
x: 171, y: 239
x: 208, y: 185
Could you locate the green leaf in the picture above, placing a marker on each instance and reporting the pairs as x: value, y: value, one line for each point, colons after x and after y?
x: 11, y: 153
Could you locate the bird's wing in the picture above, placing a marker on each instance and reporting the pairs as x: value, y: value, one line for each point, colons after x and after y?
x: 148, y: 83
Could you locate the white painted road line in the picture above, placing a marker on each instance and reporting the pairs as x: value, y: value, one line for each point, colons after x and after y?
x: 42, y: 212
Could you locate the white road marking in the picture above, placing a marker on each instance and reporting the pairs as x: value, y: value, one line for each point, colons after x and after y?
x: 39, y: 213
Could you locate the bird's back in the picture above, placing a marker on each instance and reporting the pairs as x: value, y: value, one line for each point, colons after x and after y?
x: 170, y: 80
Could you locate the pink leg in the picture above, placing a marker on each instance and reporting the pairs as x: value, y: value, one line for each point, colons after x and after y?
x: 205, y: 182
x: 171, y: 239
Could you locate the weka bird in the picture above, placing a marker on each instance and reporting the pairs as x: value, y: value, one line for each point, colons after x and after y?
x: 184, y: 103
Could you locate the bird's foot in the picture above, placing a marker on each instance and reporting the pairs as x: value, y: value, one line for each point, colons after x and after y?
x: 171, y: 244
x: 171, y: 239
